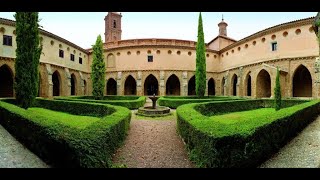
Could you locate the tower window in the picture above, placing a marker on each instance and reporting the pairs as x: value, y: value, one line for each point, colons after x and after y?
x: 114, y: 24
x: 61, y: 54
x: 7, y: 40
x: 72, y: 57
x: 150, y: 58
x: 80, y: 60
x: 274, y: 46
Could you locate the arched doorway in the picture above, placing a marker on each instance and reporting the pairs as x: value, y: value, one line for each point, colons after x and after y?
x: 111, y: 87
x: 248, y: 85
x: 263, y: 84
x: 192, y: 86
x: 302, y: 82
x: 151, y: 85
x: 6, y: 81
x: 130, y: 86
x: 73, y: 85
x: 173, y: 85
x: 234, y: 81
x: 85, y: 87
x: 56, y: 83
x: 223, y: 81
x: 211, y: 87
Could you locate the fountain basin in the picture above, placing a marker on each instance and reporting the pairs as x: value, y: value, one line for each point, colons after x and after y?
x: 149, y: 111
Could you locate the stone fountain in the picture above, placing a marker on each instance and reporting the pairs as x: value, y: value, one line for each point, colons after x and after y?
x: 153, y: 110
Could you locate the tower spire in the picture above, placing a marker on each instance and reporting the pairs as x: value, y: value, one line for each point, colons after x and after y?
x: 222, y: 27
x: 222, y: 17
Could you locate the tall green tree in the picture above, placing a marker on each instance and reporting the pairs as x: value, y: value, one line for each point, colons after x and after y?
x: 277, y: 92
x: 27, y: 58
x: 200, y: 61
x: 98, y: 70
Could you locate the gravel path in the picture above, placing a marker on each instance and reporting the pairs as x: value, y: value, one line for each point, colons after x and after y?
x: 153, y: 144
x: 14, y: 155
x: 301, y: 152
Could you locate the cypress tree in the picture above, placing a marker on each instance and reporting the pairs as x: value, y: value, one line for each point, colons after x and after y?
x: 98, y: 70
x: 200, y: 61
x: 27, y: 58
x: 277, y: 92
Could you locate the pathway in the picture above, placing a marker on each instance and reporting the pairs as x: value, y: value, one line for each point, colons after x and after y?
x: 14, y: 155
x: 301, y: 152
x: 153, y: 144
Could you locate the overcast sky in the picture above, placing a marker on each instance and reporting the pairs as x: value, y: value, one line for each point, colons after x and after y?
x: 82, y: 28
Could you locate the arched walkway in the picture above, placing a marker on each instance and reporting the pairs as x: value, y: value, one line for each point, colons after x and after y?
x: 248, y: 83
x: 211, y: 87
x: 6, y: 81
x: 263, y: 84
x: 192, y: 86
x: 302, y: 82
x: 56, y: 83
x: 130, y: 86
x: 73, y: 85
x: 151, y: 85
x: 234, y: 81
x: 173, y: 85
x: 111, y: 87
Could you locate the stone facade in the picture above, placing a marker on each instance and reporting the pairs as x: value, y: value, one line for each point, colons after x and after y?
x: 166, y: 66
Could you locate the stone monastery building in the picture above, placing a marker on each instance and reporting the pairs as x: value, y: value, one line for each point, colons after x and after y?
x: 167, y: 66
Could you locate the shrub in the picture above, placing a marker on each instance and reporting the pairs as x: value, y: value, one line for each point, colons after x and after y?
x: 214, y: 141
x: 61, y: 145
x: 277, y: 92
x: 200, y: 61
x: 98, y: 70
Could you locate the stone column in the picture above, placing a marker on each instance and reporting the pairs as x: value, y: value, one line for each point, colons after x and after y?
x: 120, y: 91
x: 81, y: 83
x: 317, y: 80
x: 139, y: 84
x: 162, y: 90
x: 225, y: 92
x: 184, y: 90
x: 239, y: 90
x: 67, y: 92
x: 50, y: 83
x: 206, y: 90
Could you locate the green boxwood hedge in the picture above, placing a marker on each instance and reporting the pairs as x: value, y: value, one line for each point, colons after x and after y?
x: 61, y: 145
x: 176, y: 101
x: 130, y: 102
x: 229, y: 140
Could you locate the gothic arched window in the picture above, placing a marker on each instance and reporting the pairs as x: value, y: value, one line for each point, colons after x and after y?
x: 114, y: 24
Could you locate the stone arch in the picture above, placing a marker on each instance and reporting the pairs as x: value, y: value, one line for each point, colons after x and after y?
x: 192, y: 86
x: 111, y: 60
x: 248, y: 85
x: 173, y: 85
x: 111, y: 87
x: 85, y: 87
x: 130, y: 86
x: 151, y: 85
x: 263, y: 84
x: 73, y: 85
x: 211, y: 87
x: 56, y: 80
x: 234, y: 82
x: 223, y: 81
x: 6, y: 81
x: 302, y: 82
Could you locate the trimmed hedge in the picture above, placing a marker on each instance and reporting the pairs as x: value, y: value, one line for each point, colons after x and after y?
x: 130, y: 102
x: 216, y: 142
x: 176, y: 101
x: 61, y: 145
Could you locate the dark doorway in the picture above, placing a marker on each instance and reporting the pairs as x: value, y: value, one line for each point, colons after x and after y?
x: 192, y: 86
x: 211, y: 87
x: 130, y: 86
x: 111, y: 87
x: 249, y: 85
x: 151, y: 85
x: 6, y: 81
x: 222, y: 86
x: 302, y: 82
x: 263, y: 84
x: 56, y: 83
x: 173, y: 85
x: 73, y: 85
x: 234, y: 84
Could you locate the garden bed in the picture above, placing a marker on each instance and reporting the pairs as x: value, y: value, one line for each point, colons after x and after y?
x: 130, y: 102
x: 68, y: 134
x: 241, y: 133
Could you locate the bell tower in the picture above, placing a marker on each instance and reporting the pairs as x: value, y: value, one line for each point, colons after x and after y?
x: 113, y: 27
x: 222, y: 28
